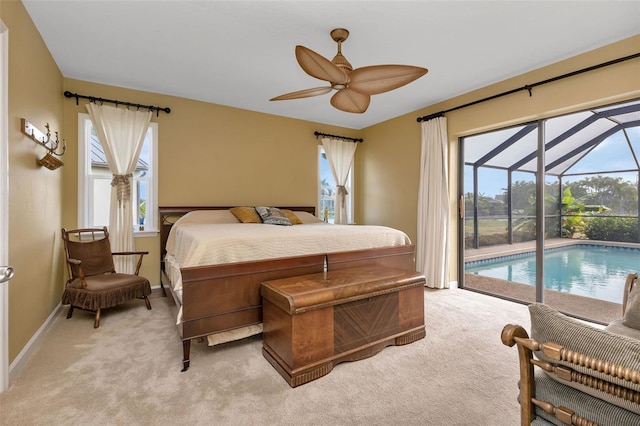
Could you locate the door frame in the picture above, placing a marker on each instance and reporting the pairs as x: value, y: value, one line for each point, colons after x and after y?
x: 461, y: 214
x: 4, y: 203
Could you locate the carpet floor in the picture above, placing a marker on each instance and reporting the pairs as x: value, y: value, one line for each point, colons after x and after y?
x: 127, y: 372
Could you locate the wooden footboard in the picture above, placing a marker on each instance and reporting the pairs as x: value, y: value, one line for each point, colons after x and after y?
x: 397, y: 257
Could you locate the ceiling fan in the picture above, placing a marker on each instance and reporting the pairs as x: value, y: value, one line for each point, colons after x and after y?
x: 353, y: 87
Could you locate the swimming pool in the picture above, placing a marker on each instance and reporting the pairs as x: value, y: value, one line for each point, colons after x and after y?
x: 593, y: 271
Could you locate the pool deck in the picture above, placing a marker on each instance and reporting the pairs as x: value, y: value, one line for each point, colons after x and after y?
x: 482, y: 253
x: 599, y: 311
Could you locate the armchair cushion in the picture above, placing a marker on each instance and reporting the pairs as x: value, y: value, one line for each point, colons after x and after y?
x: 105, y: 291
x: 95, y: 257
x: 593, y: 408
x: 549, y: 325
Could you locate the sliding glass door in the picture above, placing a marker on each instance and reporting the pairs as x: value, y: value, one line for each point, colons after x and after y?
x: 500, y: 212
x: 549, y: 210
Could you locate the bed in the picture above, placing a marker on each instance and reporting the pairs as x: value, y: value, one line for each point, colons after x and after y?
x: 213, y: 264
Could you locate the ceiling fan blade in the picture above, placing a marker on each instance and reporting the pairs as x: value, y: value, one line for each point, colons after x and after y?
x: 307, y: 93
x: 319, y: 67
x: 350, y: 101
x: 382, y: 78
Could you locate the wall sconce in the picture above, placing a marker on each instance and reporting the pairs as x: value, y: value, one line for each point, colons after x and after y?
x: 48, y: 161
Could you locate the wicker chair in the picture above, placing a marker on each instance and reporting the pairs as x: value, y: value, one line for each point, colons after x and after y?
x: 93, y: 282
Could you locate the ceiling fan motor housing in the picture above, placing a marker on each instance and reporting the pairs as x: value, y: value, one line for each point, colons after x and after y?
x: 339, y: 35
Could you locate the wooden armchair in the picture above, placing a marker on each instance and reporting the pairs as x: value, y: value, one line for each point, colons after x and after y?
x: 584, y: 375
x: 93, y: 283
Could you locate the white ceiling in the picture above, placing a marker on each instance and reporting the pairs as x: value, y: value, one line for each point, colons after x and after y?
x: 241, y: 53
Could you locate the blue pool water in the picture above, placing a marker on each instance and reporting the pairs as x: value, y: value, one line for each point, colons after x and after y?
x: 593, y: 271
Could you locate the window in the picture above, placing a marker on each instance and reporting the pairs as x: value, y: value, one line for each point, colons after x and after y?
x: 327, y: 190
x: 94, y: 181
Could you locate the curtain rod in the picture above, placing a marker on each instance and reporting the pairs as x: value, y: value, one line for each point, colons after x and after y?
x: 528, y: 87
x: 339, y: 137
x: 157, y: 109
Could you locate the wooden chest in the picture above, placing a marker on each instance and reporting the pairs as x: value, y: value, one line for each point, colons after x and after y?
x: 313, y: 322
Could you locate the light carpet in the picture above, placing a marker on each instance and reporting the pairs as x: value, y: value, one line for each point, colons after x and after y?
x: 127, y: 372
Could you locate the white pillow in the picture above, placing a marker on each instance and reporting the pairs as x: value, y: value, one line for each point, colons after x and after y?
x: 306, y: 217
x: 199, y: 216
x: 208, y: 216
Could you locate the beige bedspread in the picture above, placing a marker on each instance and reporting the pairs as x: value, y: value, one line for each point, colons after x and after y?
x: 211, y: 244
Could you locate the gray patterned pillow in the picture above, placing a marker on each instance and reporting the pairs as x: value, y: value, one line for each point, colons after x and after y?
x: 273, y: 216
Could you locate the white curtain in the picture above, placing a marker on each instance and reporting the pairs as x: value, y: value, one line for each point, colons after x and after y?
x: 340, y: 155
x: 432, y: 248
x: 121, y: 133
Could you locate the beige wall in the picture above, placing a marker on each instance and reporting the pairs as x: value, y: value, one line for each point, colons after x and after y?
x: 388, y: 167
x: 35, y: 193
x: 390, y: 197
x: 210, y: 155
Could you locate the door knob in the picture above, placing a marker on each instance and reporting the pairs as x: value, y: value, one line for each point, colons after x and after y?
x: 6, y: 273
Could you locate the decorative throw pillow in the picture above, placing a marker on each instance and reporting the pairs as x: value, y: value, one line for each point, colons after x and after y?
x: 632, y: 312
x: 246, y: 214
x: 295, y: 220
x: 273, y: 216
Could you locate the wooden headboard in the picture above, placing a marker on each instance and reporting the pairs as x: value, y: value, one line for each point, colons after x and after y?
x: 169, y: 215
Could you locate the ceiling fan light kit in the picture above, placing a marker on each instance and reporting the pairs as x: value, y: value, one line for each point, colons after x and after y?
x: 353, y: 87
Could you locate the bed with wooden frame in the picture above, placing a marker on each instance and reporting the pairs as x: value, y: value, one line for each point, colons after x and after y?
x: 222, y: 297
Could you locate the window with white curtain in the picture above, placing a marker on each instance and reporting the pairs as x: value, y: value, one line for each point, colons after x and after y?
x: 328, y: 191
x: 94, y: 181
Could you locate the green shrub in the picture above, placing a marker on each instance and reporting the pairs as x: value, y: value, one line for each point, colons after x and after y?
x: 623, y: 229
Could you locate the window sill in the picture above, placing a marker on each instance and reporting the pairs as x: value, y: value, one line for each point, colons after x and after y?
x: 145, y: 234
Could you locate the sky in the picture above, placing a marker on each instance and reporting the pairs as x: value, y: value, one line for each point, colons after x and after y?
x: 612, y: 154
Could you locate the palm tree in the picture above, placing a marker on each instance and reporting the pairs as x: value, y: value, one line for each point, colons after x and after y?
x: 326, y: 189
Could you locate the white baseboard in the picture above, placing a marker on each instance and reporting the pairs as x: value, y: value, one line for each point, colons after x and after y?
x: 452, y: 285
x: 21, y: 360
